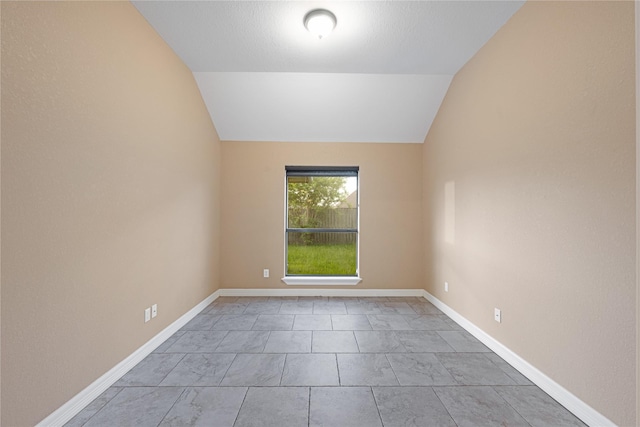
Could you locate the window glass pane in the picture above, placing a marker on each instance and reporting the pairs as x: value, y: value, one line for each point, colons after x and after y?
x: 322, y: 202
x: 321, y: 254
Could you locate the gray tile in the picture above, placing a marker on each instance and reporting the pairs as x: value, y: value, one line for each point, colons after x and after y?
x: 345, y: 299
x: 362, y: 308
x: 275, y: 407
x: 428, y: 322
x: 406, y: 299
x: 312, y: 322
x: 243, y: 342
x: 374, y: 299
x: 478, y: 407
x: 274, y: 322
x: 329, y: 307
x: 199, y: 369
x: 208, y: 308
x: 411, y: 407
x: 265, y: 307
x: 423, y: 342
x: 424, y: 308
x: 255, y: 370
x: 137, y: 406
x: 334, y: 342
x: 206, y: 406
x: 463, y: 341
x: 419, y: 369
x: 350, y: 322
x: 428, y: 349
x: 365, y: 370
x: 395, y: 308
x: 537, y: 407
x: 310, y: 370
x: 378, y: 342
x: 202, y: 322
x: 92, y: 408
x: 151, y: 371
x: 169, y: 342
x: 282, y: 299
x: 313, y: 298
x: 452, y: 324
x: 296, y: 307
x: 343, y: 406
x: 235, y: 322
x: 225, y: 308
x: 388, y: 322
x: 288, y: 342
x: 473, y: 369
x: 516, y: 376
x: 249, y: 300
x: 197, y: 342
x: 226, y: 299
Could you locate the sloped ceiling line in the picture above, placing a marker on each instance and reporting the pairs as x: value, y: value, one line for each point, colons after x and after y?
x: 380, y: 77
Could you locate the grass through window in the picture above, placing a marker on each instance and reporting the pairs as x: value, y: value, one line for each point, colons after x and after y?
x: 330, y: 260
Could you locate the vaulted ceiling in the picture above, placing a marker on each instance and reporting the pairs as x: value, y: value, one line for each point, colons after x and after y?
x: 379, y: 77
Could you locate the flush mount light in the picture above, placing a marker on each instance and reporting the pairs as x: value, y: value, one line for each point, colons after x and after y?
x: 320, y: 22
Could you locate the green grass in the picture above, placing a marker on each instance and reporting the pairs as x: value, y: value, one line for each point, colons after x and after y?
x: 321, y: 260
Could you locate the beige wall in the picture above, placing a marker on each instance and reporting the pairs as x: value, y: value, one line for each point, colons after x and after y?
x: 537, y: 135
x: 637, y: 27
x: 253, y: 210
x: 110, y: 196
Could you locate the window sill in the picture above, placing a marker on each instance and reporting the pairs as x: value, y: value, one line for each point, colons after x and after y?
x: 322, y: 281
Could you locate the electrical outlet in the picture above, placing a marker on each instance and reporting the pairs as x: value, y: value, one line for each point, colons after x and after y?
x: 147, y: 314
x: 154, y: 310
x: 497, y: 315
x: 446, y: 286
x: 265, y: 272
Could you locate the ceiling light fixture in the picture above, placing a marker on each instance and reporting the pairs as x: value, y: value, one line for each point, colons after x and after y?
x: 320, y: 22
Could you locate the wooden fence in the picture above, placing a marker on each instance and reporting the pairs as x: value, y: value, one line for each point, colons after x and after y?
x: 338, y: 218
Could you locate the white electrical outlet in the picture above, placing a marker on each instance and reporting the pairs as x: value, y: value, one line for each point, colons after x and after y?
x: 147, y: 314
x: 497, y: 315
x: 265, y: 272
x: 154, y: 310
x: 446, y: 286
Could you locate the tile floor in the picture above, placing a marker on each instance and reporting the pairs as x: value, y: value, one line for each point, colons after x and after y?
x: 333, y: 362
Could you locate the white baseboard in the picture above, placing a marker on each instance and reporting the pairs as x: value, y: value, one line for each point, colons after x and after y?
x: 70, y: 409
x: 321, y: 292
x: 580, y: 409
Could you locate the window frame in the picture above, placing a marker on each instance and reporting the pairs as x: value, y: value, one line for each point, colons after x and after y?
x: 321, y: 171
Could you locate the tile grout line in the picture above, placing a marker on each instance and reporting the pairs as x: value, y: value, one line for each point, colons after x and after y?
x: 309, y: 408
x: 376, y: 403
x: 493, y: 387
x: 102, y: 407
x: 386, y: 356
x: 338, y: 369
x: 356, y: 340
x: 184, y: 390
x: 172, y: 369
x: 241, y: 404
x: 443, y: 405
x: 284, y: 365
x: 227, y: 370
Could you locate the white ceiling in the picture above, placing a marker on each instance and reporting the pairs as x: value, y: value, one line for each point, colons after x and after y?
x: 380, y: 77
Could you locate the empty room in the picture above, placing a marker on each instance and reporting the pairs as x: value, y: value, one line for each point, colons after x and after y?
x: 309, y: 213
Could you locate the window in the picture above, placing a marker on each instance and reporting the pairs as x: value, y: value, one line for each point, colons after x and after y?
x: 322, y: 222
